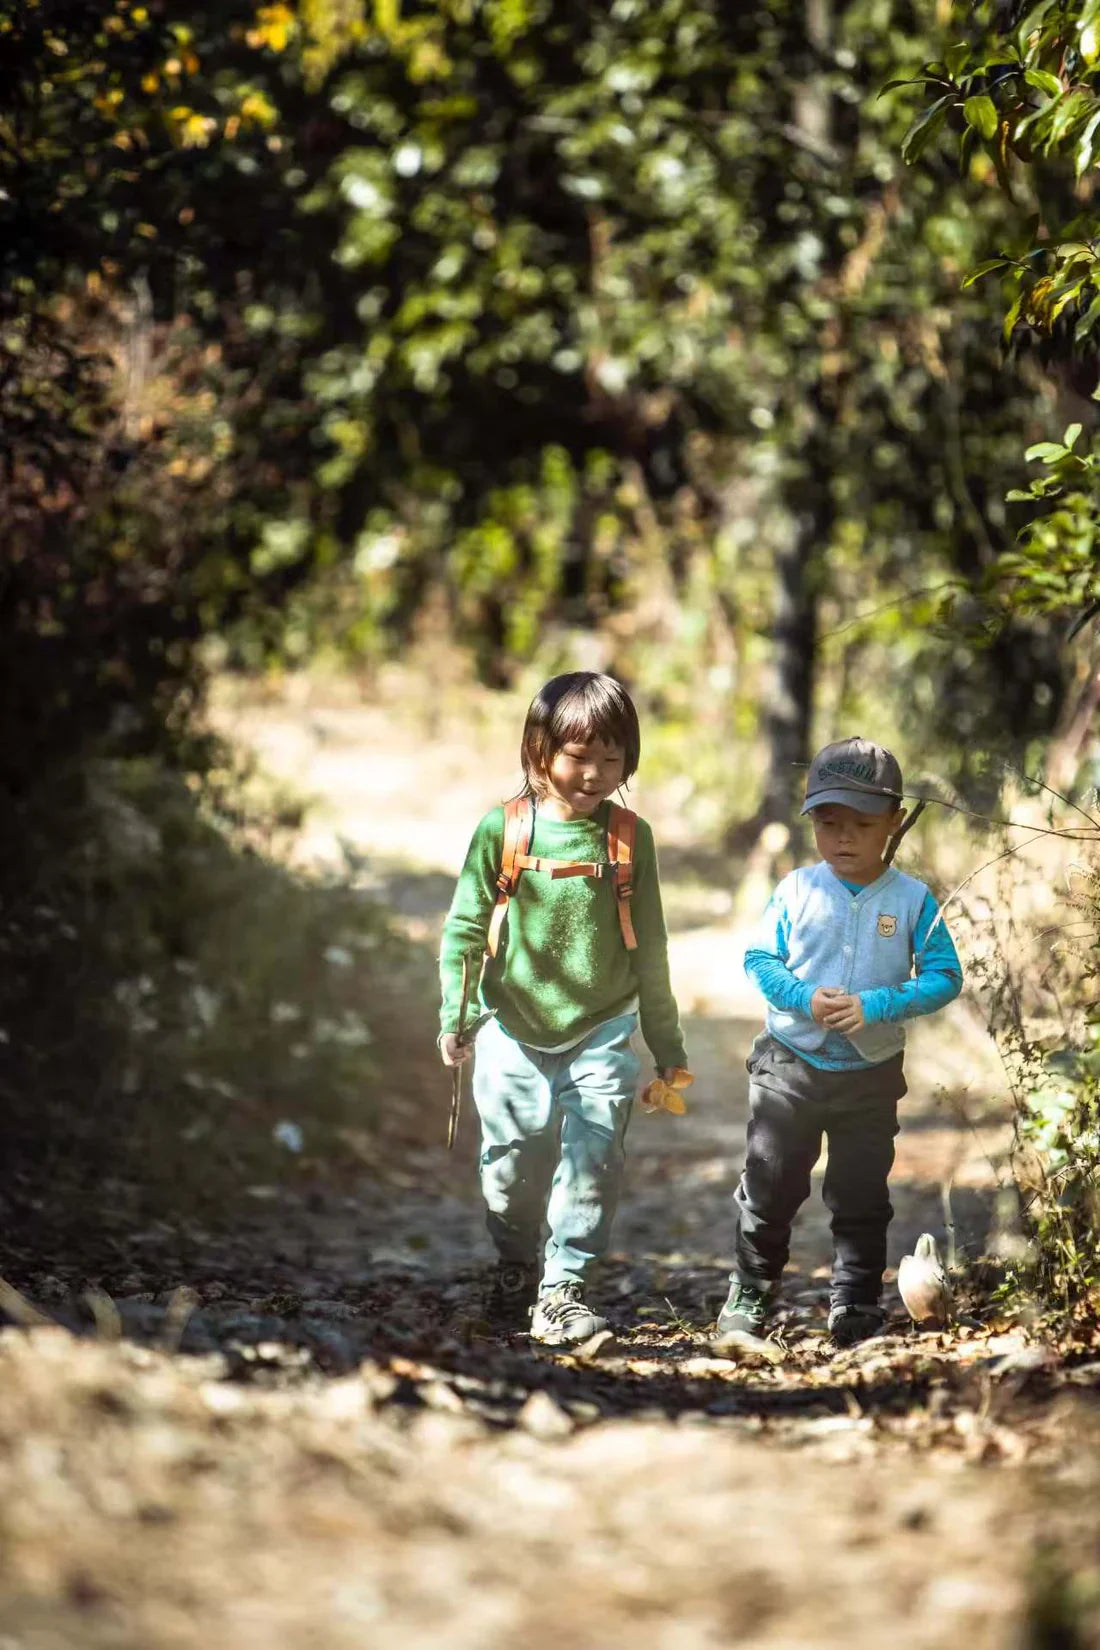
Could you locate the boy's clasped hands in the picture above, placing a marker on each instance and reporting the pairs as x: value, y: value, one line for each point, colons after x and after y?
x: 836, y: 1009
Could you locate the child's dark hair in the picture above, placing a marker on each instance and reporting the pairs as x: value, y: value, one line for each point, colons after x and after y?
x: 581, y: 706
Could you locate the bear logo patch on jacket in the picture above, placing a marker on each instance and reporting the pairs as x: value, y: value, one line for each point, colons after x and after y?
x: 887, y: 926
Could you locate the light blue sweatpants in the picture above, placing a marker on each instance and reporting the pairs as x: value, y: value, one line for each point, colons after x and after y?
x: 552, y: 1128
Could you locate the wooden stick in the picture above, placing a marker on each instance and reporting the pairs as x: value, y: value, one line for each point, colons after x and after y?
x: 906, y: 825
x: 456, y: 1071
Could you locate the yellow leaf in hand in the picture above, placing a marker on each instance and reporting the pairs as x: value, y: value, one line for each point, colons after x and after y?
x: 653, y: 1095
x: 662, y: 1095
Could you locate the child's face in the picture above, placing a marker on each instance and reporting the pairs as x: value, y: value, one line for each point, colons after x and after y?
x: 852, y: 843
x: 581, y: 776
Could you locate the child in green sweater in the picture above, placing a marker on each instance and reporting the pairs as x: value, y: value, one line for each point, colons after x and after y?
x: 578, y: 955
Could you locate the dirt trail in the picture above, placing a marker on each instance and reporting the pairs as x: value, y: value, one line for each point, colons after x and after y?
x: 341, y: 1456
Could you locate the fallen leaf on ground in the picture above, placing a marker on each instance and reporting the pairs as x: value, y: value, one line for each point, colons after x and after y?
x: 739, y: 1345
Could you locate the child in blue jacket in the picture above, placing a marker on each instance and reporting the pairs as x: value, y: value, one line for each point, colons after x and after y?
x: 849, y: 949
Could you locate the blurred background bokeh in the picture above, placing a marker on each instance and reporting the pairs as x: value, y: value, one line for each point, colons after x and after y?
x: 363, y: 363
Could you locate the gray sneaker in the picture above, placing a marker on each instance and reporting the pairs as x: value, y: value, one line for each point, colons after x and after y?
x: 561, y: 1318
x: 745, y: 1313
x: 850, y: 1322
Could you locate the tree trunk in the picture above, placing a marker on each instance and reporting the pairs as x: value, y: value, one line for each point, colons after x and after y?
x: 789, y: 714
x: 787, y: 719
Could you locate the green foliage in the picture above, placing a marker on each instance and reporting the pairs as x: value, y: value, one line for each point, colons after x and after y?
x: 1039, y: 993
x: 611, y: 301
x: 1021, y: 94
x: 128, y: 141
x: 1055, y: 557
x: 1059, y: 1128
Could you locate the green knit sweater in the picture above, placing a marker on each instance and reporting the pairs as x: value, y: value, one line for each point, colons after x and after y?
x: 562, y: 968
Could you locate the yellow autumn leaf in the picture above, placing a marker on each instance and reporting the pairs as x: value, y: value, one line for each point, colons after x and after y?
x: 428, y: 61
x: 387, y: 17
x: 662, y: 1095
x: 274, y: 27
x: 192, y: 130
x: 256, y: 107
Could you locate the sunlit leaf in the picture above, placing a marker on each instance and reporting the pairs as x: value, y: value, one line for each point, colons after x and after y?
x: 925, y: 128
x: 1044, y: 81
x: 1030, y: 22
x: 986, y: 268
x: 981, y: 114
x: 1086, y: 144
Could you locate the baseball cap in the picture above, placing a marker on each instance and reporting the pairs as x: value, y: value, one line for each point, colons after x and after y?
x: 857, y: 773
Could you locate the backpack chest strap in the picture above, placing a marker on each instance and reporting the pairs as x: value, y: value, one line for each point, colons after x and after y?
x: 562, y: 867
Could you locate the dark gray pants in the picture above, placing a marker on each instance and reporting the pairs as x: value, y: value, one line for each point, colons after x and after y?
x: 791, y: 1105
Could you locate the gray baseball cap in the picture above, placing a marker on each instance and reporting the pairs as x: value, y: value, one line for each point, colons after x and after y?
x: 856, y: 773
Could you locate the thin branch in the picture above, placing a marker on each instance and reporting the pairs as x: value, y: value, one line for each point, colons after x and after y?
x: 1043, y: 786
x: 995, y: 861
x: 887, y: 607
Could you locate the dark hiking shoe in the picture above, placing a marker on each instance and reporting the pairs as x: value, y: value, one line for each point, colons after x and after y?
x: 512, y: 1293
x: 561, y: 1318
x: 745, y: 1314
x: 851, y: 1322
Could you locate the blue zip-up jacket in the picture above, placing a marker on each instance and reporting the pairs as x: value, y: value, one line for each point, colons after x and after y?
x: 881, y: 943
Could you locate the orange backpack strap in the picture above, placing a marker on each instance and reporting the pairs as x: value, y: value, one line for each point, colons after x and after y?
x: 519, y: 819
x: 621, y: 829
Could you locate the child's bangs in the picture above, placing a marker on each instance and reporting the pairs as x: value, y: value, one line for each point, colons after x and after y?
x: 586, y: 718
x: 596, y: 709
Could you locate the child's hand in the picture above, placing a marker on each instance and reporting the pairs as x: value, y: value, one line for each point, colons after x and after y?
x: 452, y: 1052
x: 825, y: 999
x: 844, y: 1013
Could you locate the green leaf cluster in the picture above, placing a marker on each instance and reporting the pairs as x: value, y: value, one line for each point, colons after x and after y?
x: 1020, y: 94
